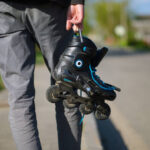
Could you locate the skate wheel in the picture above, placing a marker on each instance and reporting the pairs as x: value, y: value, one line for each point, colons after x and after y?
x: 68, y: 105
x: 86, y: 109
x: 51, y: 94
x: 110, y: 96
x: 102, y: 111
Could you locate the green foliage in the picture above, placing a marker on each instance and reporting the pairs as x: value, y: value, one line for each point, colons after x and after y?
x: 1, y: 84
x: 133, y: 42
x: 122, y: 43
x: 39, y: 57
x: 86, y: 24
x: 109, y: 14
x: 139, y: 44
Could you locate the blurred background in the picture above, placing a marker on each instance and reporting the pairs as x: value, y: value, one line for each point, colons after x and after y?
x: 124, y: 27
x: 119, y: 23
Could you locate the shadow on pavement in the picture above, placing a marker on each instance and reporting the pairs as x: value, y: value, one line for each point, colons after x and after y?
x: 110, y: 137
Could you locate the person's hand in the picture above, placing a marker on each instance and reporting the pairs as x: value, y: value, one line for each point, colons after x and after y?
x: 75, y: 17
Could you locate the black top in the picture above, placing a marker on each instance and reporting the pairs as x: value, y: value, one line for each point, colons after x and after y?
x: 61, y: 2
x: 77, y: 2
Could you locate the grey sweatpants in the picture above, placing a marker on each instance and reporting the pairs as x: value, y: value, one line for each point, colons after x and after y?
x: 20, y: 28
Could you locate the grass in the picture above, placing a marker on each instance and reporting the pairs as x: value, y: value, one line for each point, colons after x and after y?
x: 39, y: 58
x: 1, y: 84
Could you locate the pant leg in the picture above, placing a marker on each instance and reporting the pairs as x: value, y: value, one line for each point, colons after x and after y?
x: 68, y: 126
x: 48, y: 23
x: 17, y: 59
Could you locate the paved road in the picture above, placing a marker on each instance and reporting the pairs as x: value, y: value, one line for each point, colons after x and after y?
x: 130, y: 112
x: 127, y: 129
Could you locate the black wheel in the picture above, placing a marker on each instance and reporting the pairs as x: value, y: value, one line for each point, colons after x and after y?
x: 68, y: 105
x: 86, y: 109
x: 52, y: 94
x: 102, y: 111
x: 111, y: 95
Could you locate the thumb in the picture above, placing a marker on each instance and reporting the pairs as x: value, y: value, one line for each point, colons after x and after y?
x: 68, y: 25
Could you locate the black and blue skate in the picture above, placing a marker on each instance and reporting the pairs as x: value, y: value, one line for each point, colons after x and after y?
x: 75, y: 72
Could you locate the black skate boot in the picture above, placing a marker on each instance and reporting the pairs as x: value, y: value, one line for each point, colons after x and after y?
x: 71, y: 73
x: 76, y: 71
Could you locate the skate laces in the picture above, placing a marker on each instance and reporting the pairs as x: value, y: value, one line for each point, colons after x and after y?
x: 94, y: 70
x: 96, y: 77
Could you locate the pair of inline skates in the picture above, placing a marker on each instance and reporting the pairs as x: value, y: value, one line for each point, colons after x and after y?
x: 77, y: 82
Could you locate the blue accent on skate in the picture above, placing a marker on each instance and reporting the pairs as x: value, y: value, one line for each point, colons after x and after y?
x: 101, y: 86
x: 76, y: 63
x: 84, y: 48
x: 81, y: 121
x: 67, y: 80
x: 75, y: 35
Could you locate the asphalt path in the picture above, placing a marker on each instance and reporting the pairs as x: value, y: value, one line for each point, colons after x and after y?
x: 129, y: 125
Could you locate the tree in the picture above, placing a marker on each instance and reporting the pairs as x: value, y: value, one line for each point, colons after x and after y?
x: 109, y: 14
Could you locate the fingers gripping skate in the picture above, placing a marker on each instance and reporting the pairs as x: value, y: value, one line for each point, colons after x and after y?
x: 76, y: 71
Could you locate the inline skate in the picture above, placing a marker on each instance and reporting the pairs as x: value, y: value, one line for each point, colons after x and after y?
x: 75, y: 73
